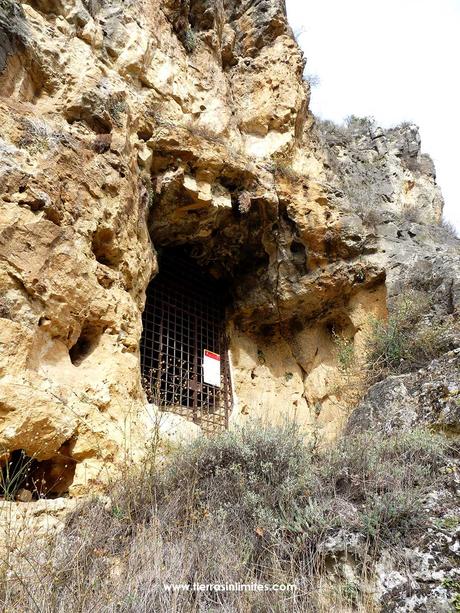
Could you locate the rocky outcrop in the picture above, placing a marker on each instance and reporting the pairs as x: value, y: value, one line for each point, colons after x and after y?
x: 378, y: 171
x: 428, y: 397
x: 133, y: 126
x: 418, y: 574
x: 423, y: 574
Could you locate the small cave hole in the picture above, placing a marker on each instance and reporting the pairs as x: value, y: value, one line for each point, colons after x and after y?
x: 295, y: 326
x: 53, y: 215
x: 339, y: 325
x: 145, y: 134
x: 24, y: 478
x: 104, y: 249
x: 102, y: 143
x: 299, y: 256
x: 297, y: 248
x: 267, y: 331
x: 85, y: 345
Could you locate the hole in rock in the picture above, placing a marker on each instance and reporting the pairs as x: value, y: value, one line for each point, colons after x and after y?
x: 295, y: 326
x: 102, y: 142
x: 145, y: 134
x: 104, y: 249
x: 184, y: 353
x: 299, y: 256
x: 267, y: 331
x: 85, y: 345
x: 53, y: 215
x: 23, y: 478
x: 339, y: 325
x: 297, y: 248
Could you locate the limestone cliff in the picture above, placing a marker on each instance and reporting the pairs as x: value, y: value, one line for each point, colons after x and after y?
x: 138, y: 125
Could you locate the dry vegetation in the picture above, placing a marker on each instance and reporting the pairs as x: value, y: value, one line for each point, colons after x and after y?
x: 256, y: 505
x: 409, y: 339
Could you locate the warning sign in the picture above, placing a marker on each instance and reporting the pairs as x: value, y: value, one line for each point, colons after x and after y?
x: 211, y: 368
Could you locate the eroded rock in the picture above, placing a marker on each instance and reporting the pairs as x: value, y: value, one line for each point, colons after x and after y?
x: 129, y: 128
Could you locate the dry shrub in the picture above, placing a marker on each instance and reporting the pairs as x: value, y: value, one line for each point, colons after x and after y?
x: 37, y: 135
x: 451, y: 230
x: 254, y: 505
x: 408, y: 340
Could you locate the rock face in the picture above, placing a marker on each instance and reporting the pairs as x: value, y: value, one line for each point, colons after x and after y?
x: 381, y: 170
x: 425, y: 575
x: 428, y: 397
x: 133, y: 126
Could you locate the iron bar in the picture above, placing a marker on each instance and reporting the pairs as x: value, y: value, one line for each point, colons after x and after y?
x: 184, y: 315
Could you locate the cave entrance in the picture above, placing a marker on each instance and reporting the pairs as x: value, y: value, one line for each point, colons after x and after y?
x: 184, y: 351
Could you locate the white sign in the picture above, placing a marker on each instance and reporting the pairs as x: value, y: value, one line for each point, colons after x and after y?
x: 211, y: 368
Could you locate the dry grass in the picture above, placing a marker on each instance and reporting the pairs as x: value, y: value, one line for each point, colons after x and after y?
x: 256, y: 505
x: 450, y: 229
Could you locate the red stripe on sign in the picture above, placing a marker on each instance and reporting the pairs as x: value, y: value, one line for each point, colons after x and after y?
x: 210, y: 354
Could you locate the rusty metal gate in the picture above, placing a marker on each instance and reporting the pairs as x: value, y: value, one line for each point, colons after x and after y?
x: 184, y: 316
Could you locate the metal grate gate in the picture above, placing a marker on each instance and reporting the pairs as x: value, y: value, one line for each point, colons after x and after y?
x: 184, y: 316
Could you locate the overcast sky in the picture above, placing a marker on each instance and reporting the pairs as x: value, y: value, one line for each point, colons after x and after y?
x: 396, y: 60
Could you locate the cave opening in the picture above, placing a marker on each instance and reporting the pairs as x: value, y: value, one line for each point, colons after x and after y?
x: 86, y: 343
x: 184, y: 348
x: 24, y: 478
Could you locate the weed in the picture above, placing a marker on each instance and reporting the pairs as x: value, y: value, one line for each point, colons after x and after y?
x: 453, y: 585
x: 5, y: 308
x: 116, y: 107
x: 345, y: 353
x: 449, y: 227
x: 14, y: 472
x: 283, y: 168
x: 313, y: 80
x: 37, y: 135
x: 189, y: 40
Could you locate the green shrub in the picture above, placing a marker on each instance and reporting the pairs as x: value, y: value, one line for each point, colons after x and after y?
x: 345, y: 350
x: 386, y: 478
x: 408, y: 340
